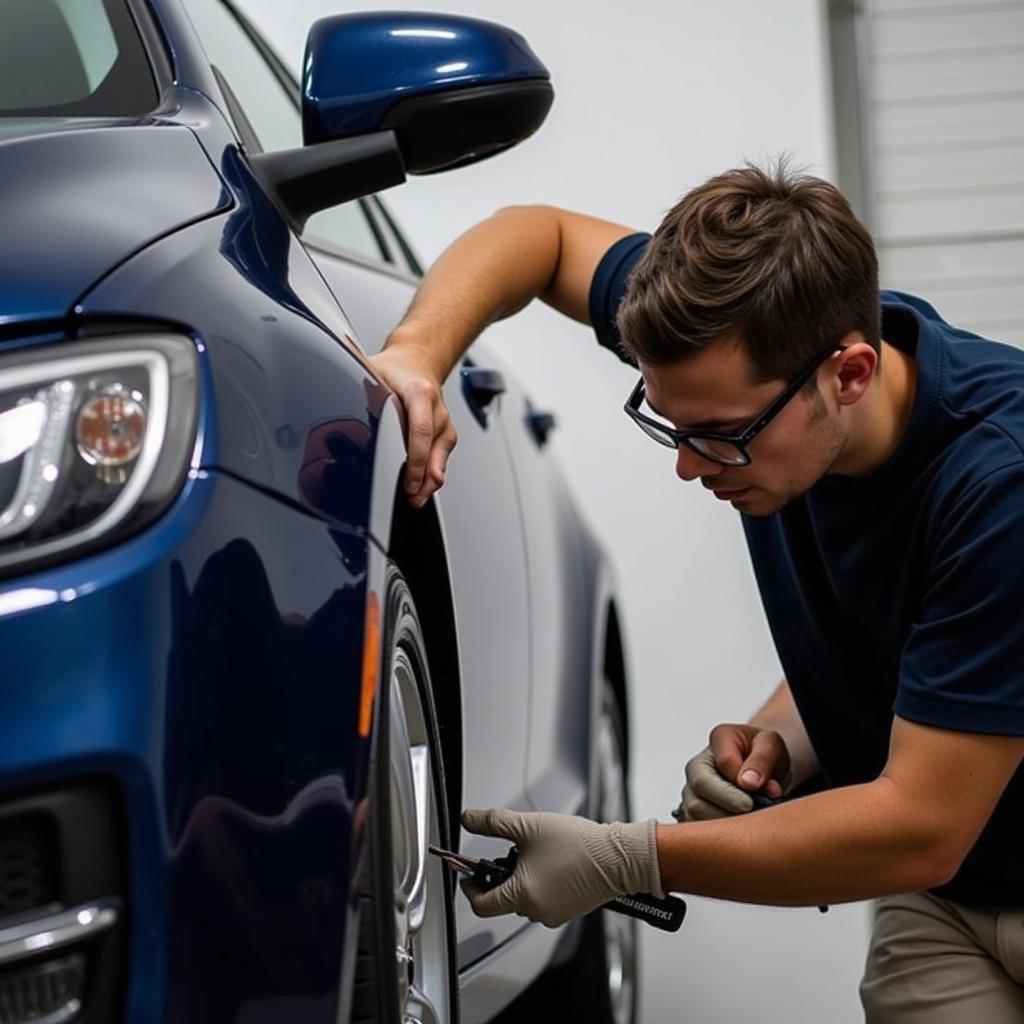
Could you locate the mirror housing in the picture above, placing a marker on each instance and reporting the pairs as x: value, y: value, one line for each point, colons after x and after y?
x: 385, y: 94
x: 453, y: 89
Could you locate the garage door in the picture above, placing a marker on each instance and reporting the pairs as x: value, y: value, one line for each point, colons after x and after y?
x: 941, y: 119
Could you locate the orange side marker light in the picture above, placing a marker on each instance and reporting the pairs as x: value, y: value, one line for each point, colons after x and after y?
x: 371, y: 659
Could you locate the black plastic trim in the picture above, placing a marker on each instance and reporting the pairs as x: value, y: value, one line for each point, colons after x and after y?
x: 89, y: 830
x: 154, y: 43
x: 316, y: 177
x: 442, y: 131
x: 378, y: 232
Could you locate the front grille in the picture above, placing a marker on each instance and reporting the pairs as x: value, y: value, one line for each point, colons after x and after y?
x: 29, y: 870
x: 62, y: 906
x: 49, y: 992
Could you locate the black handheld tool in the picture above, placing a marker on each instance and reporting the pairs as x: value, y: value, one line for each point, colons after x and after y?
x: 665, y: 913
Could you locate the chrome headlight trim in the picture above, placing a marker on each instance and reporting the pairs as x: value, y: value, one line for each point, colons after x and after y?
x: 171, y: 368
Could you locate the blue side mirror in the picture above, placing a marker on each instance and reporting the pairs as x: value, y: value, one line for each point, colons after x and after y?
x: 390, y: 94
x: 453, y: 89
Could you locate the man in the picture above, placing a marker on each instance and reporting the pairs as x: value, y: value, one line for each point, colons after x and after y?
x: 876, y: 456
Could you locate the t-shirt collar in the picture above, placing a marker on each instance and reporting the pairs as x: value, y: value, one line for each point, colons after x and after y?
x: 906, y: 329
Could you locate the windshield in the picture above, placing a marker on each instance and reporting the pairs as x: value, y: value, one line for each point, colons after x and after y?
x: 72, y: 58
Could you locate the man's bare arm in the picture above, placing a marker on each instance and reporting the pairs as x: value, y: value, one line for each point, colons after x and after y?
x: 908, y: 829
x: 490, y: 272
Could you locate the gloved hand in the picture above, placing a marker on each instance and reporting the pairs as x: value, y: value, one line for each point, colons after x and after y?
x: 567, y: 866
x: 735, y: 751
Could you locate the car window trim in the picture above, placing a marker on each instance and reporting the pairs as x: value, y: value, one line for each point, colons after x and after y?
x: 322, y: 247
x: 156, y: 45
x: 244, y: 131
x: 414, y: 265
x: 277, y: 66
x: 379, y: 232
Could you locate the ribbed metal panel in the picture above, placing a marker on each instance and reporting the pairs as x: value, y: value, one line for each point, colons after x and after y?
x: 945, y: 92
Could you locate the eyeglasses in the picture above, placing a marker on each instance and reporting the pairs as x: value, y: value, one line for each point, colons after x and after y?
x: 726, y: 449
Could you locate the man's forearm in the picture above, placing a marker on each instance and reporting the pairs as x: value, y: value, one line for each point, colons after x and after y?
x: 488, y: 273
x: 780, y: 714
x: 852, y: 843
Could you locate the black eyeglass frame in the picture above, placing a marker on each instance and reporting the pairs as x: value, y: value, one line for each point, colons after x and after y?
x: 672, y: 438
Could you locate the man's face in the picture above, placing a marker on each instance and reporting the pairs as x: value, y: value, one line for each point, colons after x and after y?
x: 712, y: 391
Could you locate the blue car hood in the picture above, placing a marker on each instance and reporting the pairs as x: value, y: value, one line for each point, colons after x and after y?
x: 75, y: 203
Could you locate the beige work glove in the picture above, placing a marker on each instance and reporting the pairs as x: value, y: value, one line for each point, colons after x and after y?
x: 708, y: 794
x: 567, y: 866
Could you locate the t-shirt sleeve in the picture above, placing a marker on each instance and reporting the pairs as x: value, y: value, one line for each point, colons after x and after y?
x: 609, y: 285
x: 963, y: 663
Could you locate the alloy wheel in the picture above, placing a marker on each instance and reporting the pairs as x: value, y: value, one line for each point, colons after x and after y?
x: 419, y: 898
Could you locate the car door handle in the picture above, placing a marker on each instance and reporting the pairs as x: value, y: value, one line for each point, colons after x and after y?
x: 480, y: 387
x: 540, y: 424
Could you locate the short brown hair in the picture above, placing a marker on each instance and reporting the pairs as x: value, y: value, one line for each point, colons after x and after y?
x: 774, y: 258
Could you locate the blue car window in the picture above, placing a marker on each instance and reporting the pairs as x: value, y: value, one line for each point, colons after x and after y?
x: 72, y: 58
x: 274, y: 116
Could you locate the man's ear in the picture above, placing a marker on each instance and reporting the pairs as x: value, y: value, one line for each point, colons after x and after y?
x: 854, y: 369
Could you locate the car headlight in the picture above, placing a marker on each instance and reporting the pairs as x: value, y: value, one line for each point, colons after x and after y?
x: 95, y: 440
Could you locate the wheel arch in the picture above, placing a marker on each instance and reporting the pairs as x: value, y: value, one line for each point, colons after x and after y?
x: 416, y: 545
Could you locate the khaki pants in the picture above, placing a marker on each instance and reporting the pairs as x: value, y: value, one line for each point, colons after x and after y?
x: 936, y: 962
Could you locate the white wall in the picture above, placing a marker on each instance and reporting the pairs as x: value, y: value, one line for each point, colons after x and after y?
x: 651, y: 98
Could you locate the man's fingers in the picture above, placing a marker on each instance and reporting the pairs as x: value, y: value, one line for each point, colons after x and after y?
x: 431, y: 440
x: 430, y: 435
x: 437, y: 463
x: 728, y: 745
x: 704, y: 782
x: 718, y: 792
x: 768, y: 758
x: 494, y: 822
x: 420, y: 419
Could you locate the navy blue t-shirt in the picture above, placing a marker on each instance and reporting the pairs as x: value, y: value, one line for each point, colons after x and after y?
x: 903, y: 591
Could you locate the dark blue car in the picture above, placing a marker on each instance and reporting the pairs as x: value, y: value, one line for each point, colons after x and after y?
x: 243, y: 683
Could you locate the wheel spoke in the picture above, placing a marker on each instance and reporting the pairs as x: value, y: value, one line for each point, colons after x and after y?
x: 420, y: 1009
x: 419, y: 756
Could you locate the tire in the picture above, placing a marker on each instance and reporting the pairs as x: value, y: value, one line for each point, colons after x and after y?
x: 406, y: 968
x: 606, y: 961
x: 599, y: 984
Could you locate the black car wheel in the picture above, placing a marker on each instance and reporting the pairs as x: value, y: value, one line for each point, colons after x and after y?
x: 406, y: 969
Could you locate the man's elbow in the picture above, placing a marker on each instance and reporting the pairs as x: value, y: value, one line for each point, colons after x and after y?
x: 934, y: 864
x: 532, y: 211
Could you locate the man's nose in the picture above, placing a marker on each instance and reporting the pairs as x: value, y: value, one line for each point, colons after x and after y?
x: 690, y: 465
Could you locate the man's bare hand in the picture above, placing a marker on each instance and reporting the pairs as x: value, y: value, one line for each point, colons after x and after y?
x: 429, y: 434
x: 739, y: 760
